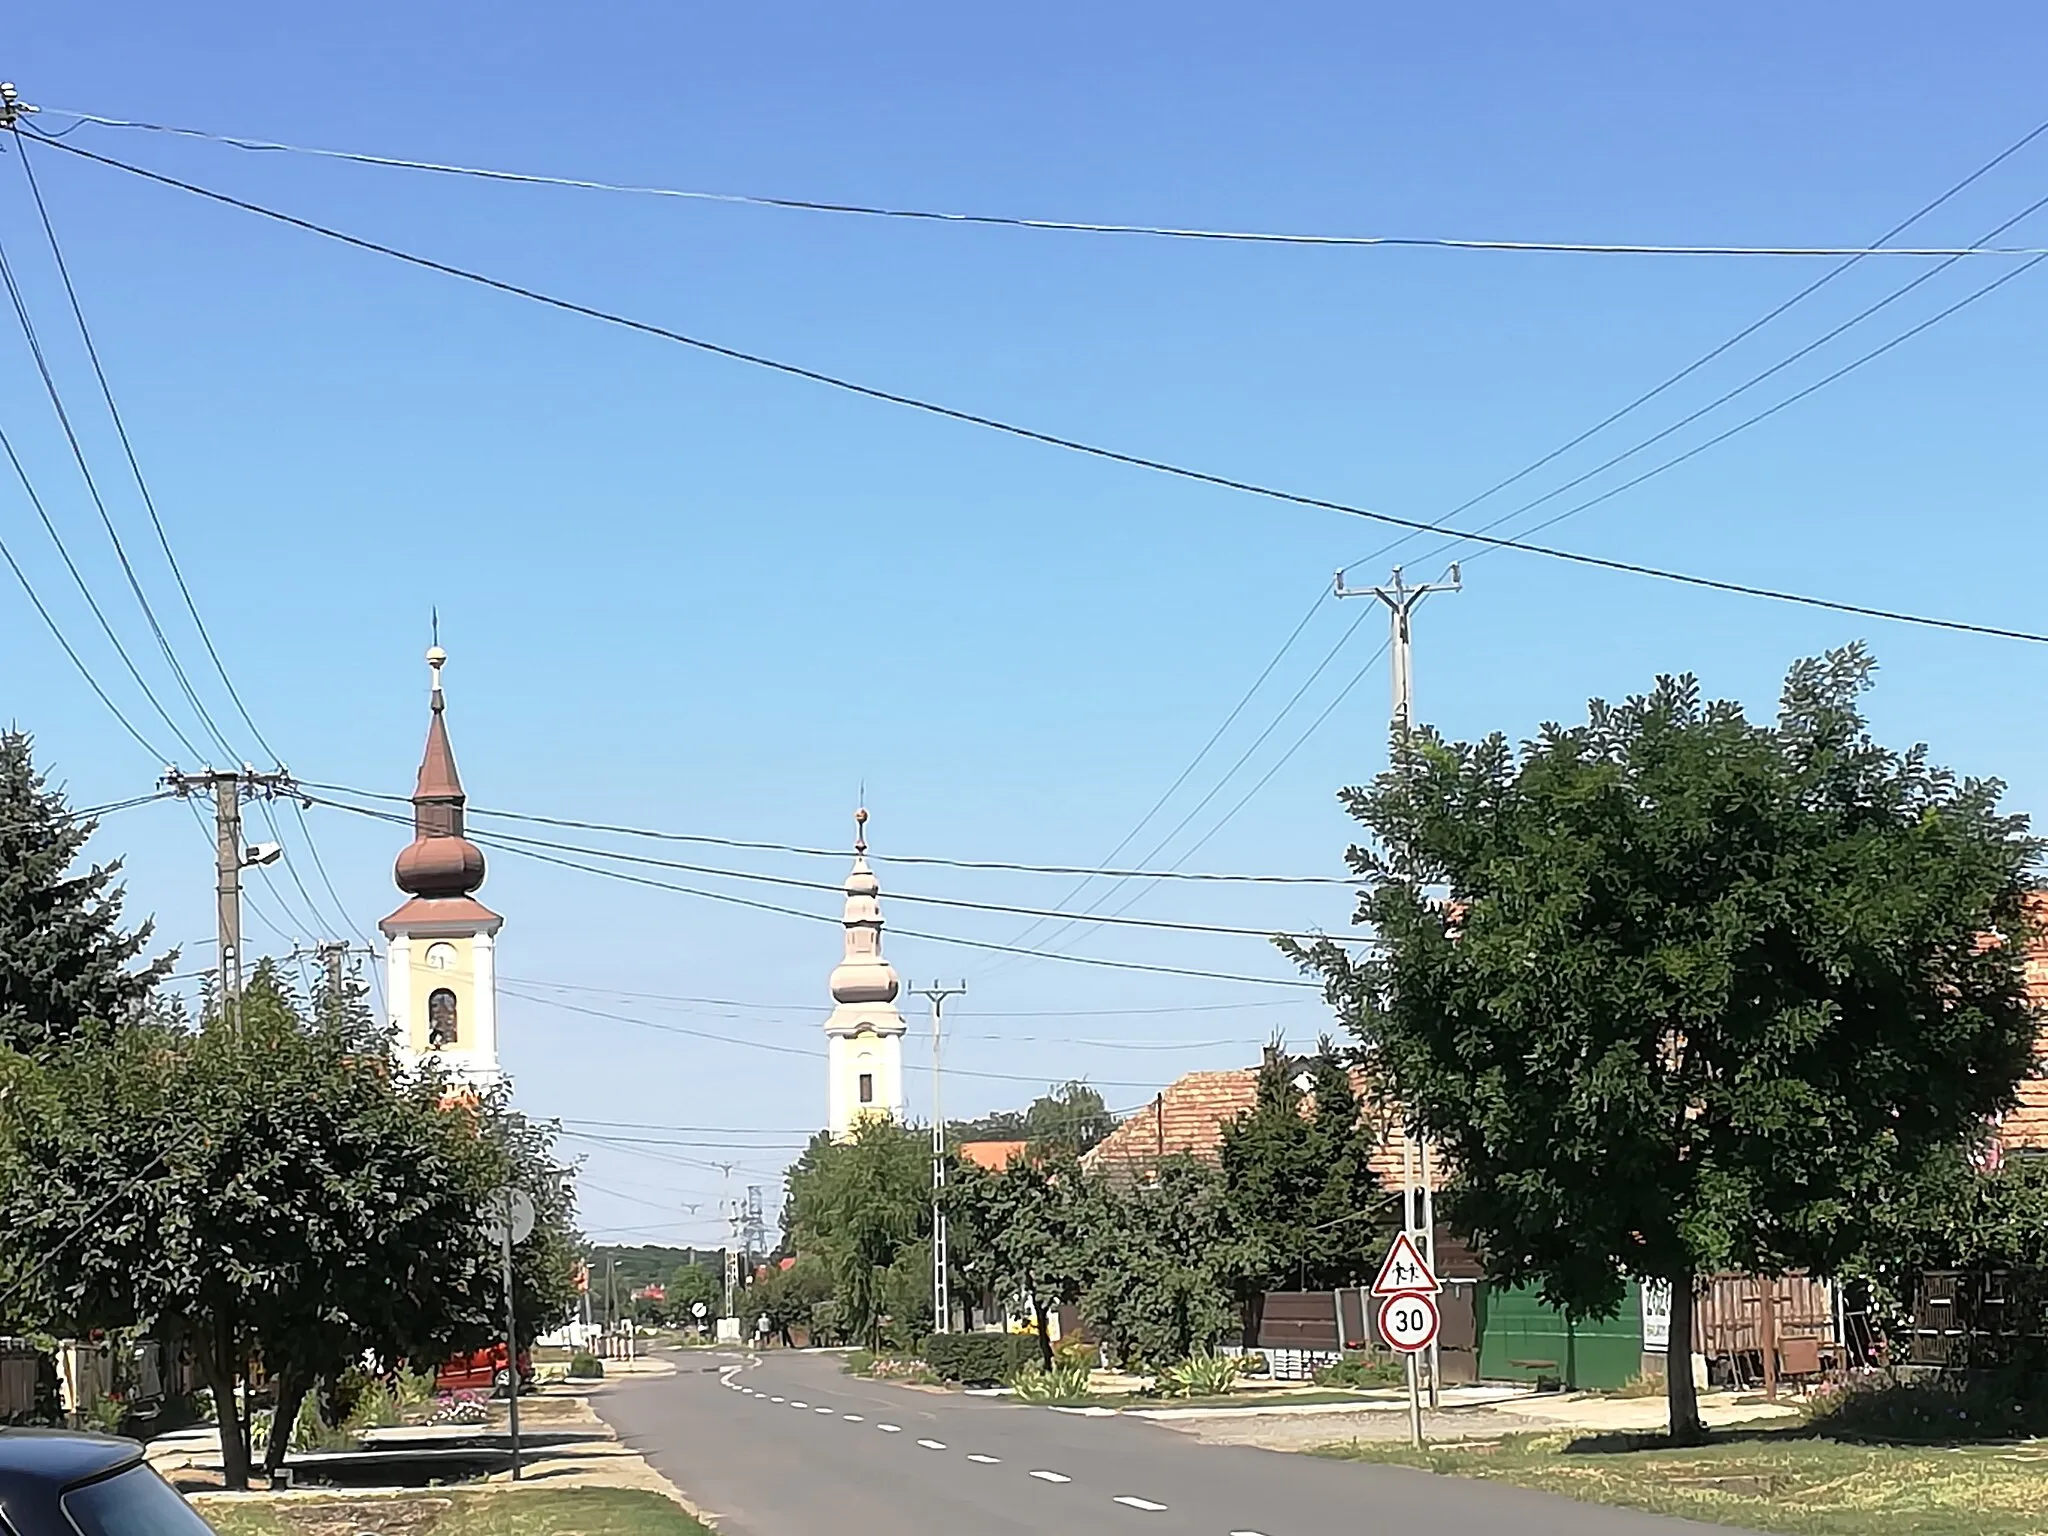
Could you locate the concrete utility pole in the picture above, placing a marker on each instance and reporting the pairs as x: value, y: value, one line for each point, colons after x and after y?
x: 1418, y: 1196
x: 942, y: 1302
x: 230, y: 857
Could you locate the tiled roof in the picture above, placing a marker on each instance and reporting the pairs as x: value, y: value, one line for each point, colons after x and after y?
x: 1189, y: 1117
x: 2025, y: 1128
x: 995, y: 1156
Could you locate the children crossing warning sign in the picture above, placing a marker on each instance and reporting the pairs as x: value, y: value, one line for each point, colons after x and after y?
x: 1405, y: 1273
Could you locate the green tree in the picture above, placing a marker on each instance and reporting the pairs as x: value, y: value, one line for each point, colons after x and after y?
x: 1700, y: 990
x: 262, y: 1188
x: 1298, y: 1171
x: 1161, y: 1263
x: 65, y: 963
x: 857, y: 1205
x: 1071, y: 1118
x: 1025, y: 1234
x: 691, y: 1283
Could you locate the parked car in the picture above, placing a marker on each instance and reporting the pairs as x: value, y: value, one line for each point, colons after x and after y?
x: 54, y: 1482
x: 483, y: 1370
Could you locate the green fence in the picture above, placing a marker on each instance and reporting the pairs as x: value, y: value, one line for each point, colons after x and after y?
x: 1523, y: 1338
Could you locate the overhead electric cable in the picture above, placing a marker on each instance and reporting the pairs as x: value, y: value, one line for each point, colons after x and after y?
x: 1740, y: 336
x: 513, y: 843
x: 979, y: 1013
x: 128, y: 448
x: 1049, y: 439
x: 1005, y: 221
x: 756, y: 845
x: 56, y: 398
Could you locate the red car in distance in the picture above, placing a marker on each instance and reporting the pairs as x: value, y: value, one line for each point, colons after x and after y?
x: 483, y: 1370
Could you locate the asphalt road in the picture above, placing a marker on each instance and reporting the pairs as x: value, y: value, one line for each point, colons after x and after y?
x: 788, y: 1445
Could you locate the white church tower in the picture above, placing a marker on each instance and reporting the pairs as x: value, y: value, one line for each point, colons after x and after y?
x: 864, y: 1035
x: 443, y: 985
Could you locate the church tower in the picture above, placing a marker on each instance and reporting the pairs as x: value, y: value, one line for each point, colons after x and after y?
x: 441, y: 961
x: 864, y: 1035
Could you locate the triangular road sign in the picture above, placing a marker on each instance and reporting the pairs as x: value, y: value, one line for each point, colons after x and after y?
x: 1405, y: 1273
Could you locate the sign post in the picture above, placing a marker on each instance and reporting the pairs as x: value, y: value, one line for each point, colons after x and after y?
x: 508, y: 1217
x: 1408, y: 1320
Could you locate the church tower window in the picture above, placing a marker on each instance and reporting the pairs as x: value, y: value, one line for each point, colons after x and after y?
x: 867, y: 1087
x: 440, y: 1019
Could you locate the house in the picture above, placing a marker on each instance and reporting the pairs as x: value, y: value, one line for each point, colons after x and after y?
x: 2023, y: 1132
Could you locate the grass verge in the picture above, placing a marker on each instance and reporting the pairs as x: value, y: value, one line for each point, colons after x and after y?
x: 481, y: 1512
x: 1788, y: 1480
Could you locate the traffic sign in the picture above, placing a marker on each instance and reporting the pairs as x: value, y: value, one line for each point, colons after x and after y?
x: 510, y: 1211
x: 1405, y: 1273
x: 1409, y: 1323
x: 698, y: 1309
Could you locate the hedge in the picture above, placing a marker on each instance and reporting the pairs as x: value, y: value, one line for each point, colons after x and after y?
x: 980, y: 1357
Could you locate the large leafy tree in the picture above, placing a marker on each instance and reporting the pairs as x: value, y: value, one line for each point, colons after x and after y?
x: 66, y: 964
x: 1297, y: 1168
x: 1023, y: 1234
x: 261, y: 1188
x: 1678, y: 991
x: 1070, y: 1117
x: 860, y: 1205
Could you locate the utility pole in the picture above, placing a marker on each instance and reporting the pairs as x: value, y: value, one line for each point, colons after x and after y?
x: 1418, y: 1205
x: 230, y: 856
x: 942, y: 1302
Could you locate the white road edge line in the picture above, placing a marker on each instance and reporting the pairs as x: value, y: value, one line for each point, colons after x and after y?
x: 933, y: 1445
x: 987, y: 1461
x: 1130, y: 1501
x: 1061, y: 1477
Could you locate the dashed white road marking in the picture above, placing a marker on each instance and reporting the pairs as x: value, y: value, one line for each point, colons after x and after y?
x: 1247, y: 1533
x: 799, y: 1405
x: 890, y: 1429
x: 1131, y: 1501
x: 987, y: 1461
x: 1061, y: 1477
x: 933, y: 1445
x: 852, y: 1418
x: 777, y: 1399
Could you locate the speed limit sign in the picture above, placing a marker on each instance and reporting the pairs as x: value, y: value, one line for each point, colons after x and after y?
x: 1409, y: 1323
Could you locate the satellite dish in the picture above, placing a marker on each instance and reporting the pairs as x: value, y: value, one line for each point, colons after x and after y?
x: 509, y: 1209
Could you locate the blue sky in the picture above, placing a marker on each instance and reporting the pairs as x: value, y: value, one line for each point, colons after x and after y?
x: 685, y: 594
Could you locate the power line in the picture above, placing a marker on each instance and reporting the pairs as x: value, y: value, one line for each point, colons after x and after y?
x: 56, y: 399
x: 1749, y: 383
x: 1710, y: 355
x: 977, y: 1013
x: 1008, y: 221
x: 1054, y: 440
x: 821, y: 917
x: 759, y: 845
x: 128, y: 447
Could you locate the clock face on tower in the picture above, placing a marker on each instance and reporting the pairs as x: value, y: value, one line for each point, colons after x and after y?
x: 440, y: 957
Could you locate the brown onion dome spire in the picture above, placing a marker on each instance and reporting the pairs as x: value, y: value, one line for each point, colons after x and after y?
x: 439, y: 861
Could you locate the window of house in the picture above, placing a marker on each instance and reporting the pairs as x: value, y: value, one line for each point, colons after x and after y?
x: 867, y: 1087
x: 440, y: 1018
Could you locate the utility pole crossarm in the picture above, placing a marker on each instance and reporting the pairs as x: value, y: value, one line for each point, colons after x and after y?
x: 229, y: 788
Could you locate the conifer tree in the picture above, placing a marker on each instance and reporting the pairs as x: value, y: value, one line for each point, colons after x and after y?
x: 66, y: 964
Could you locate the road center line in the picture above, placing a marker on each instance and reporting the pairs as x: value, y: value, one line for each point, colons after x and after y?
x: 798, y: 1405
x: 890, y: 1429
x: 852, y: 1418
x: 933, y: 1445
x: 1247, y: 1533
x: 1130, y: 1501
x: 1061, y: 1477
x: 776, y: 1399
x: 821, y: 1410
x: 987, y: 1461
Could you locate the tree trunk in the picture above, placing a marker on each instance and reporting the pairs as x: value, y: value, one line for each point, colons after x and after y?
x: 291, y: 1395
x: 1044, y: 1332
x: 1681, y: 1398
x: 216, y: 1365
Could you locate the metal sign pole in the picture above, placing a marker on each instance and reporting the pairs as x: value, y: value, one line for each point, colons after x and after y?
x: 1414, y: 1402
x: 511, y: 1346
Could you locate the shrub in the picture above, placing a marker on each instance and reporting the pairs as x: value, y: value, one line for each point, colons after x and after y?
x: 979, y: 1358
x: 376, y: 1406
x: 860, y: 1362
x: 1362, y: 1369
x: 1256, y: 1363
x: 1200, y: 1375
x: 1990, y: 1406
x: 586, y: 1366
x: 1066, y: 1382
x: 1076, y: 1350
x: 462, y: 1408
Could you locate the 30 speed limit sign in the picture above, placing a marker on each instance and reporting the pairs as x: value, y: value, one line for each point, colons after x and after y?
x: 1408, y: 1323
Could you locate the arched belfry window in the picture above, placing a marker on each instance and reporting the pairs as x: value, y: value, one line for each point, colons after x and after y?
x: 440, y: 1019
